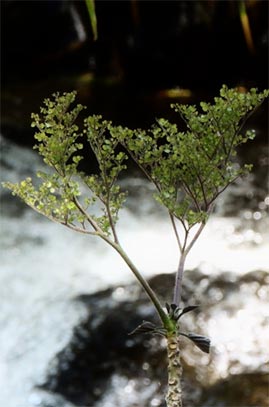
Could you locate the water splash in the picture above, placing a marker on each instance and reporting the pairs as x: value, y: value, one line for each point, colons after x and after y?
x: 41, y: 273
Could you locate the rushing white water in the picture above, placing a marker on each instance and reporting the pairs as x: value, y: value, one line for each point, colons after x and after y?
x: 44, y: 266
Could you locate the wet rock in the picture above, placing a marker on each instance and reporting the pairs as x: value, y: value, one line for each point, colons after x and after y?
x: 249, y: 389
x: 102, y: 347
x: 105, y: 366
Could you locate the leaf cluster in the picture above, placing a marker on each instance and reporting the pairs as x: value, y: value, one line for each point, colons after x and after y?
x: 59, y: 195
x: 189, y: 168
x: 111, y: 161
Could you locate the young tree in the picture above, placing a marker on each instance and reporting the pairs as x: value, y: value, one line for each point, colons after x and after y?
x: 189, y: 169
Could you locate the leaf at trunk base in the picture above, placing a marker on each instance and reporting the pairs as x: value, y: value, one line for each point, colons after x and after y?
x: 188, y: 309
x: 201, y: 341
x: 176, y: 312
x: 148, y: 328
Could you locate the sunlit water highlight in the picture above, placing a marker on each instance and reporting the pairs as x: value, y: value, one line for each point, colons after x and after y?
x: 44, y: 266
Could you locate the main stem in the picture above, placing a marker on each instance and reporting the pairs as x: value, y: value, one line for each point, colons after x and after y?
x: 174, y: 393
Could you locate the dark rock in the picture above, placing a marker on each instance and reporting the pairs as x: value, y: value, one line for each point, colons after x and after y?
x: 250, y: 389
x: 103, y: 362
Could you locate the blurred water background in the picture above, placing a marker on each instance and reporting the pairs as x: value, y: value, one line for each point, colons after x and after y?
x: 148, y: 55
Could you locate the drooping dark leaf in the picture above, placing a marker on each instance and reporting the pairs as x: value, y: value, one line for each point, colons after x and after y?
x: 176, y: 312
x: 167, y: 306
x: 188, y: 309
x: 173, y: 307
x: 173, y: 311
x: 148, y: 328
x: 201, y: 341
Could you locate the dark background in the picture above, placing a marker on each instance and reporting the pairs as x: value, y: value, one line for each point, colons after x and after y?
x: 148, y: 54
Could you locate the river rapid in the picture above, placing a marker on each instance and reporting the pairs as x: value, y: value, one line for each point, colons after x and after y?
x: 45, y: 266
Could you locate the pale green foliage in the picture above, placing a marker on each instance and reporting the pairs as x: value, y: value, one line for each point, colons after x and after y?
x: 111, y: 162
x: 189, y: 169
x: 58, y: 196
x: 57, y: 136
x: 57, y: 144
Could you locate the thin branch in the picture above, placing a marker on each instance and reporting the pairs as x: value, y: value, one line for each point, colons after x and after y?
x: 189, y: 192
x: 154, y: 299
x: 77, y: 229
x: 199, y: 231
x: 176, y: 231
x: 197, y: 234
x: 88, y: 217
x: 218, y: 192
x: 64, y: 223
x: 185, y: 239
x: 237, y: 131
x: 228, y: 154
x: 119, y: 249
x: 201, y: 182
x: 185, y: 250
x: 145, y: 172
x: 220, y: 134
x: 110, y: 218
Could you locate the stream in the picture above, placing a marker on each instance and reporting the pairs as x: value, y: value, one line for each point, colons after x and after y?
x: 54, y: 283
x: 67, y: 301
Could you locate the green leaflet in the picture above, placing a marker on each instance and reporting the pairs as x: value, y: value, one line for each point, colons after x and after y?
x: 188, y: 168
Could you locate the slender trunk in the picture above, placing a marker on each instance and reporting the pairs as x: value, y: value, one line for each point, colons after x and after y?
x: 184, y: 253
x: 174, y: 393
x: 178, y: 282
x: 153, y: 297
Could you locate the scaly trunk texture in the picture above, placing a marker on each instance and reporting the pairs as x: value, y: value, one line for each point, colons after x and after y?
x: 174, y: 393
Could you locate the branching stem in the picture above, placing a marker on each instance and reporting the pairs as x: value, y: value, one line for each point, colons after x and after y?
x: 110, y: 218
x: 164, y: 318
x: 88, y: 217
x: 115, y: 244
x: 176, y: 231
x: 178, y: 281
x: 180, y: 270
